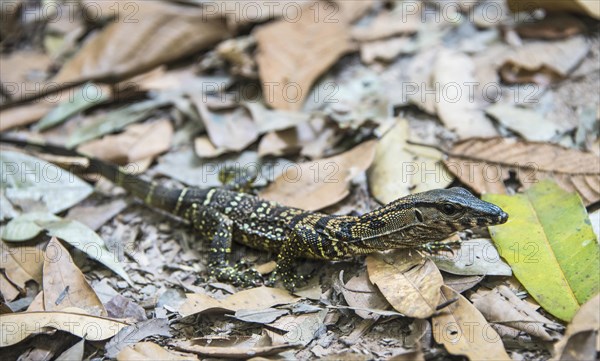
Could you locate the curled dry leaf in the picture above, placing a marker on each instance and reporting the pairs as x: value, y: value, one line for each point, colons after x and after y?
x: 64, y: 284
x: 544, y: 62
x: 158, y: 33
x: 483, y: 164
x: 17, y: 326
x: 501, y: 305
x: 550, y: 245
x: 318, y: 184
x: 254, y: 298
x: 286, y: 50
x: 582, y: 338
x: 150, y: 351
x: 464, y: 331
x: 361, y: 294
x: 410, y: 282
x: 137, y: 142
x: 400, y: 169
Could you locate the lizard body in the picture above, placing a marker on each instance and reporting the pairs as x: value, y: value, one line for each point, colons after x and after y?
x: 224, y: 216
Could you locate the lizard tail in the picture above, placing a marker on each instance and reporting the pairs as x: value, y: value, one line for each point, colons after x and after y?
x: 151, y: 193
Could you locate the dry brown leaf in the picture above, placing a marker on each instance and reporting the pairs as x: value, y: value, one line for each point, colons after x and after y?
x: 232, y: 352
x: 22, y: 324
x: 37, y: 304
x: 254, y: 298
x: 8, y: 290
x: 158, y: 33
x: 318, y: 184
x: 464, y: 331
x: 582, y: 338
x: 23, y: 72
x: 205, y: 149
x: 502, y: 306
x: 360, y: 293
x: 297, y: 329
x: 64, y: 285
x: 24, y: 115
x: 287, y: 49
x: 420, y: 72
x: 456, y: 106
x: 228, y: 129
x: 149, y: 351
x: 461, y: 284
x: 400, y: 169
x: 483, y: 164
x: 410, y: 282
x: 586, y: 7
x: 544, y: 62
x: 22, y: 263
x: 137, y: 143
x: 552, y: 27
x: 388, y: 24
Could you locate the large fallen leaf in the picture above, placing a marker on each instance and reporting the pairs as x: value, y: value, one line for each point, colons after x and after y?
x: 298, y: 329
x: 362, y: 295
x: 502, y: 306
x: 22, y: 263
x: 83, y: 238
x: 586, y: 7
x: 315, y: 185
x: 455, y: 103
x: 26, y: 226
x: 475, y: 257
x: 464, y: 331
x: 400, y: 169
x: 64, y: 284
x: 286, y: 50
x: 137, y: 142
x: 551, y: 247
x: 254, y: 298
x: 149, y: 351
x: 28, y: 180
x: 16, y: 326
x: 544, y: 62
x: 530, y: 124
x: 157, y: 33
x: 582, y: 338
x: 483, y: 164
x: 410, y: 282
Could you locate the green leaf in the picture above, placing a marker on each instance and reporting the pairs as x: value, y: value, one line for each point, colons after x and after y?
x: 26, y: 226
x: 26, y: 180
x: 85, y: 97
x: 85, y: 239
x: 116, y: 120
x: 551, y: 246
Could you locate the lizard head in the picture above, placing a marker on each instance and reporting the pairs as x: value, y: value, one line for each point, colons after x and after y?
x: 441, y: 212
x: 429, y: 216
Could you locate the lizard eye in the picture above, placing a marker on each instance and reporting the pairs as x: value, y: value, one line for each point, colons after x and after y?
x: 449, y: 209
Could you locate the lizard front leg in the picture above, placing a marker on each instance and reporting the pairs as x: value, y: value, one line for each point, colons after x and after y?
x: 286, y: 269
x: 218, y: 228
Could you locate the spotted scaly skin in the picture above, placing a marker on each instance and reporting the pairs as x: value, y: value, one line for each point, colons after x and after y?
x: 226, y: 215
